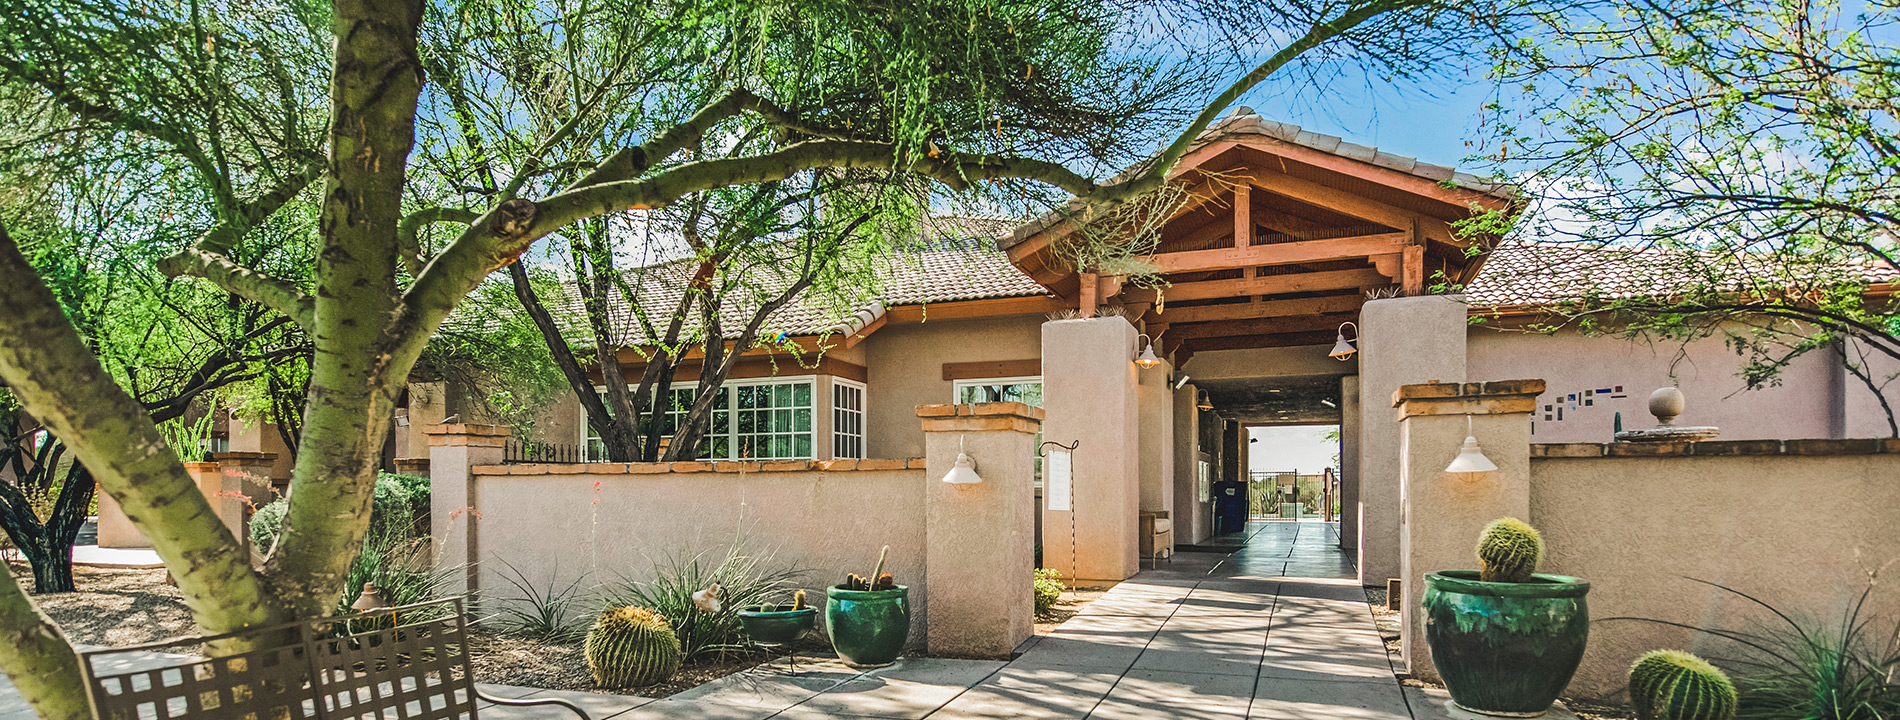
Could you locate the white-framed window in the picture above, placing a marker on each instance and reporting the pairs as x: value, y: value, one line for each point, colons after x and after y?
x: 752, y: 419
x: 847, y: 418
x: 1026, y: 390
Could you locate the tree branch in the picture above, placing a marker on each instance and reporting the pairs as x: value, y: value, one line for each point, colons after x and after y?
x: 243, y: 282
x: 409, y: 247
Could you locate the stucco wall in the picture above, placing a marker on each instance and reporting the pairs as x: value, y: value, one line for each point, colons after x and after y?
x: 1806, y: 404
x: 1798, y: 531
x: 618, y: 525
x: 904, y: 364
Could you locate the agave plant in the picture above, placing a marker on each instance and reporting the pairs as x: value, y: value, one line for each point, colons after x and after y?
x: 1798, y: 668
x: 744, y: 579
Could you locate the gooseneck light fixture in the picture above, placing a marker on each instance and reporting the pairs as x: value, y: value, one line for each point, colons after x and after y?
x: 1146, y: 357
x: 1470, y: 458
x: 964, y: 472
x: 1343, y: 348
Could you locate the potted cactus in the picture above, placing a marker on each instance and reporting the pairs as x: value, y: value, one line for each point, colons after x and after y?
x: 778, y: 624
x: 868, y: 618
x: 1675, y: 685
x: 1506, y: 639
x: 632, y: 647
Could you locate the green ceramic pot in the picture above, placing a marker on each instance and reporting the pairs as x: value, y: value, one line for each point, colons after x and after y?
x: 776, y: 627
x: 868, y: 627
x: 1505, y: 649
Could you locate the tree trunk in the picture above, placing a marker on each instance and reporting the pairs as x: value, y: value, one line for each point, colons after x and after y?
x: 54, y: 571
x: 373, y: 91
x: 37, y: 657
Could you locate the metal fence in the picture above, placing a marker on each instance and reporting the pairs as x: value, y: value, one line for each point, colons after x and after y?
x: 521, y: 451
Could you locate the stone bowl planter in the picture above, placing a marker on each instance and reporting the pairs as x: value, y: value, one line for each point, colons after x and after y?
x: 1505, y: 649
x: 868, y: 627
x: 774, y: 626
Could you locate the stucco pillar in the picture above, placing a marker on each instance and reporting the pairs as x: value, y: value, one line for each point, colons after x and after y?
x: 1349, y: 462
x: 979, y: 539
x: 1187, y: 507
x: 1445, y: 512
x: 225, y: 492
x: 1401, y: 341
x: 1155, y: 406
x: 1089, y: 395
x: 454, y: 509
x: 115, y: 529
x: 250, y: 471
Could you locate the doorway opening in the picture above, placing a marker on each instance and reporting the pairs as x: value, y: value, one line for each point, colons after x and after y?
x: 1293, y: 472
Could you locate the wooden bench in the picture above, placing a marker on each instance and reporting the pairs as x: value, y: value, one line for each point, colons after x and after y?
x: 402, y: 663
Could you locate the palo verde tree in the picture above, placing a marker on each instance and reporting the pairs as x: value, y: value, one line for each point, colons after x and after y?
x: 1741, y: 151
x: 228, y: 88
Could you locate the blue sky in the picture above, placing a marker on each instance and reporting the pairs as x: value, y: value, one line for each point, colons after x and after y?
x: 1430, y: 122
x: 1291, y: 448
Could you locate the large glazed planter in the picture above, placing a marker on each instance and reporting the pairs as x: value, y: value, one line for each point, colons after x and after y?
x: 868, y: 627
x: 1505, y: 649
x: 776, y: 627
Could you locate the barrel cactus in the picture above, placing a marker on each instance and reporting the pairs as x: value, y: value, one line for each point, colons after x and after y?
x: 1509, y: 551
x: 1675, y: 685
x: 632, y: 647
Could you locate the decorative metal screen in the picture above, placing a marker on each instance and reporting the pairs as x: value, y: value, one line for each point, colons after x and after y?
x: 406, y: 663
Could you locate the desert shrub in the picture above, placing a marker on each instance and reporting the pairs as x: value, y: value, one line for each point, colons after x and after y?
x: 543, y: 612
x: 391, y: 514
x: 1049, y: 589
x: 1794, y: 667
x: 745, y: 579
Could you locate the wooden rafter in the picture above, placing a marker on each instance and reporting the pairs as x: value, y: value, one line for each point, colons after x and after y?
x: 1348, y: 203
x: 1261, y: 309
x: 1258, y: 326
x: 1287, y: 253
x: 1278, y: 284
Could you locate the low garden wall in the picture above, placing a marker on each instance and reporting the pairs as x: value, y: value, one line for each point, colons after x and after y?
x: 616, y: 522
x: 1799, y: 524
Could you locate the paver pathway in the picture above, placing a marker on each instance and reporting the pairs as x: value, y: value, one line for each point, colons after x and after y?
x: 1278, y: 630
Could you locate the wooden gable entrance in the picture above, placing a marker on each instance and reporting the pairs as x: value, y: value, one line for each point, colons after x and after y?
x: 1281, y: 237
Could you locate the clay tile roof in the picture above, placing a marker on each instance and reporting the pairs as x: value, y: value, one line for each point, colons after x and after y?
x: 1538, y: 273
x: 958, y: 261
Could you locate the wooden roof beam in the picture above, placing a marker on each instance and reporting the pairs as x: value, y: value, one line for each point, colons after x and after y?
x: 1277, y: 284
x: 1347, y: 203
x: 1287, y: 253
x: 1259, y: 326
x: 1262, y: 309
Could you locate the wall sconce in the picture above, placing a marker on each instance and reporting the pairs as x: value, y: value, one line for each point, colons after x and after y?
x: 1342, y: 348
x: 1470, y: 459
x: 964, y: 472
x: 1180, y: 382
x: 1146, y: 357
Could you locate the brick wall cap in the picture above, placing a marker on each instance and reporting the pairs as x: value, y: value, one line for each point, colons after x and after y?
x: 1807, y: 447
x: 1443, y: 390
x: 243, y: 457
x: 468, y: 429
x: 989, y: 409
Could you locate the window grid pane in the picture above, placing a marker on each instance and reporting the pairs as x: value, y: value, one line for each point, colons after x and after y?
x: 847, y: 426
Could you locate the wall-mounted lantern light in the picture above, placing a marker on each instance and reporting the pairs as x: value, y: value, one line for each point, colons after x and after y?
x: 1343, y: 348
x: 964, y: 472
x: 1470, y: 458
x: 1146, y: 356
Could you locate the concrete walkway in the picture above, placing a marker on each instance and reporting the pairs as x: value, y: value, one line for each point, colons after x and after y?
x: 1279, y: 629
